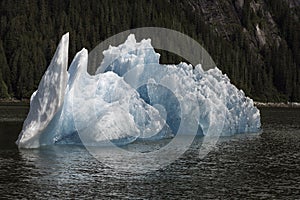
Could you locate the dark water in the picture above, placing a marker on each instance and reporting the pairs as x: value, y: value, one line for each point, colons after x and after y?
x: 265, y: 166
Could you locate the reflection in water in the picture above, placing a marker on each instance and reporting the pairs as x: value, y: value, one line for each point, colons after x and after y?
x: 243, y: 166
x: 58, y: 163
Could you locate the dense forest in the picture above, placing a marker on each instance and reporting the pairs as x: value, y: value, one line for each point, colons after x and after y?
x: 30, y: 31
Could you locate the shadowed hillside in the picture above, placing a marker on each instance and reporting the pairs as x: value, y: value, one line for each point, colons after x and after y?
x: 255, y: 42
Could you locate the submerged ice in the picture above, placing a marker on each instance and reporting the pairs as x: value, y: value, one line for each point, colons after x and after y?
x: 132, y: 97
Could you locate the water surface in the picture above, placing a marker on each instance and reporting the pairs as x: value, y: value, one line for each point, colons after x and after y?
x: 265, y: 166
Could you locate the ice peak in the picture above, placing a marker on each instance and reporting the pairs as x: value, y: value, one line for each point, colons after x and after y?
x: 49, y: 97
x: 128, y: 55
x: 130, y: 39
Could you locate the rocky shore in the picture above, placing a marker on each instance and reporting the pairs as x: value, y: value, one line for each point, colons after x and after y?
x: 278, y: 105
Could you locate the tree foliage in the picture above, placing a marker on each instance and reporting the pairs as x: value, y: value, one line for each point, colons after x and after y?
x: 30, y: 31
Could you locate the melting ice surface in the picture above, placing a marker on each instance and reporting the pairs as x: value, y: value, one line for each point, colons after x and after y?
x: 124, y: 102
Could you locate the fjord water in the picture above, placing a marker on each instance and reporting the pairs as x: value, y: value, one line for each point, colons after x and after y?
x: 265, y: 165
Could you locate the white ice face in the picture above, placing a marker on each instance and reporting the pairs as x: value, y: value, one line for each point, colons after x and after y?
x: 210, y: 90
x: 116, y: 106
x: 49, y: 97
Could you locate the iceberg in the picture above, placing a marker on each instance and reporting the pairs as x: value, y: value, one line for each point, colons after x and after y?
x: 132, y: 96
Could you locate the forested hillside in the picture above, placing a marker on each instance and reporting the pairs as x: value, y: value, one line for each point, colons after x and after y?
x: 255, y: 42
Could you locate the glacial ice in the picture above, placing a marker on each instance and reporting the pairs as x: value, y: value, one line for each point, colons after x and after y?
x: 47, y: 100
x: 124, y: 102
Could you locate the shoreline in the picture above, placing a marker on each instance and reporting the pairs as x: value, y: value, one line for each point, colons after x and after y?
x: 15, y: 101
x: 277, y: 105
x: 256, y: 103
